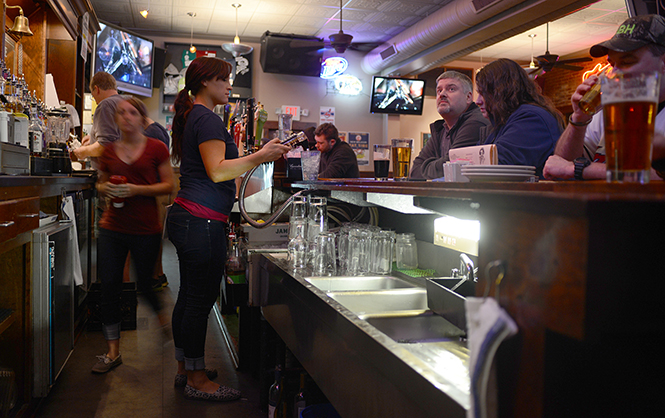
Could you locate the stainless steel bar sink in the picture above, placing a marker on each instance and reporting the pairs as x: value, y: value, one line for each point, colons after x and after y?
x: 413, y: 300
x: 362, y: 283
x: 423, y: 328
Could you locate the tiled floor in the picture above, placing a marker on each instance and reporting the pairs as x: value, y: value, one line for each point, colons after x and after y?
x: 143, y: 385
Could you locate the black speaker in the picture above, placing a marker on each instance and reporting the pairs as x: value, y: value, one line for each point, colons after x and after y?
x: 291, y: 54
x: 158, y: 60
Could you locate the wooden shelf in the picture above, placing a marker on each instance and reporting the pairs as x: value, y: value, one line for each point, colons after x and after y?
x: 7, y: 318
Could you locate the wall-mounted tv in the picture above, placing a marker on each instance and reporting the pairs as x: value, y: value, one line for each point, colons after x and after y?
x: 402, y: 96
x: 127, y: 56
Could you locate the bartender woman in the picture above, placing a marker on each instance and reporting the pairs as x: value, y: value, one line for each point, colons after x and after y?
x: 196, y: 225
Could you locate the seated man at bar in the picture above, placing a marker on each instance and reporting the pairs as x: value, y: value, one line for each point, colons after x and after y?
x: 337, y: 157
x: 637, y: 46
x: 459, y: 127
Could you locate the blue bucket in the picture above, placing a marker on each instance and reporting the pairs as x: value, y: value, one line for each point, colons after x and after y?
x: 324, y: 410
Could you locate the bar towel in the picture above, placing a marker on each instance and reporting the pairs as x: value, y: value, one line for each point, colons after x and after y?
x: 488, y: 326
x: 68, y: 211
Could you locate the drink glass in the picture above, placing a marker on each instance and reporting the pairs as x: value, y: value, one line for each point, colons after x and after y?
x: 343, y: 244
x: 325, y: 259
x: 358, y: 252
x: 382, y: 252
x: 590, y: 102
x: 118, y: 202
x: 299, y: 207
x: 630, y: 103
x: 401, y: 151
x: 406, y: 251
x: 310, y: 165
x: 381, y: 161
x: 297, y: 247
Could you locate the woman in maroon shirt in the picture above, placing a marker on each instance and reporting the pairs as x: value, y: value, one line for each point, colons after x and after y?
x: 131, y: 226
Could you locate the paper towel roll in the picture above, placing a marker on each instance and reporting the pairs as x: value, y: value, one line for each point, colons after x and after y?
x: 51, y: 94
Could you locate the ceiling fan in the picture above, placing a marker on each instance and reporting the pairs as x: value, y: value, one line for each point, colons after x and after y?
x: 548, y: 62
x: 341, y: 41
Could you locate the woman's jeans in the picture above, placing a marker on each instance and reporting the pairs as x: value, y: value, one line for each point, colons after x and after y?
x: 201, y: 247
x: 112, y: 249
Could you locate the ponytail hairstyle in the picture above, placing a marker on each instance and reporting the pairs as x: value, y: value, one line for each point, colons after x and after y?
x: 200, y: 70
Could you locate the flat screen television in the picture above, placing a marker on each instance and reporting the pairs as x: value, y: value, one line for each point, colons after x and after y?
x: 127, y: 56
x: 401, y: 96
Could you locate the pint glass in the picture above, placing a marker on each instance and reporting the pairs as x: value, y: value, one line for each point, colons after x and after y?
x: 630, y: 103
x: 381, y: 161
x: 401, y: 150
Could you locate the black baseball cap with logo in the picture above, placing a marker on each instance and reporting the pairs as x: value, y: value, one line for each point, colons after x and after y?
x: 634, y: 33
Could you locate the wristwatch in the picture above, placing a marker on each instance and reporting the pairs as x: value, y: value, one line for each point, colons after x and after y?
x: 580, y: 164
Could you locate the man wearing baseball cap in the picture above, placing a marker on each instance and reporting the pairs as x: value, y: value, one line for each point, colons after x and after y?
x: 637, y: 46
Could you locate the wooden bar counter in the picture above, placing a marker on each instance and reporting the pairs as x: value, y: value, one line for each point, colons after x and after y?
x: 21, y: 199
x: 582, y: 281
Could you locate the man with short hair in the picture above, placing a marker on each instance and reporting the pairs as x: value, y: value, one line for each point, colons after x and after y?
x: 104, y: 129
x: 337, y: 157
x: 637, y: 46
x: 459, y: 127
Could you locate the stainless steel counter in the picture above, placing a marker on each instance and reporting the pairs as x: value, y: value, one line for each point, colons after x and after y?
x: 362, y: 371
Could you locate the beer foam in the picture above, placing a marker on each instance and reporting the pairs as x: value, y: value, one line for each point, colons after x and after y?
x: 607, y: 98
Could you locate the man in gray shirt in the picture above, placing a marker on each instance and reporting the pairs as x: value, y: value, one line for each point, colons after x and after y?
x: 459, y: 127
x: 104, y: 129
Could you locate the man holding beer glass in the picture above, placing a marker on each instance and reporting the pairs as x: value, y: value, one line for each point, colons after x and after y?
x: 637, y: 47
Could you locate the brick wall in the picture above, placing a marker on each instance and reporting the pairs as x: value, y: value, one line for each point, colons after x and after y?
x: 560, y: 84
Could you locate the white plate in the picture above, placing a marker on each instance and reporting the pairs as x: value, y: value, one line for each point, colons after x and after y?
x: 499, y: 172
x: 489, y: 177
x: 499, y: 167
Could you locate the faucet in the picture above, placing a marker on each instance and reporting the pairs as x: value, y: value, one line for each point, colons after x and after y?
x: 466, y: 270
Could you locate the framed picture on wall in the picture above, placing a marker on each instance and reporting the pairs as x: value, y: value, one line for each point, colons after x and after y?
x: 342, y: 136
x: 424, y: 137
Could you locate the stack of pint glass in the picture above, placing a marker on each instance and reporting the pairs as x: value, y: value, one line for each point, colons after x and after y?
x: 365, y: 249
x: 298, y: 233
x: 322, y: 252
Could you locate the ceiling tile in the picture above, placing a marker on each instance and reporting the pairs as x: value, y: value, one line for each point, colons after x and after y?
x: 278, y: 7
x: 109, y: 8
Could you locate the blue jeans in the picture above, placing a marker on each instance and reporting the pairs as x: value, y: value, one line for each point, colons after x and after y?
x: 201, y: 247
x: 112, y: 248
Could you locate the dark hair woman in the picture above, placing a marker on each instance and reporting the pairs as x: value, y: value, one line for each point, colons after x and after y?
x: 525, y: 124
x: 209, y: 165
x: 131, y: 227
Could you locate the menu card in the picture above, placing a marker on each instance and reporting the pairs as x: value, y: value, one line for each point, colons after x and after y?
x: 477, y: 155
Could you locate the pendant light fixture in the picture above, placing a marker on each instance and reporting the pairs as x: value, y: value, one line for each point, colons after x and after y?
x: 145, y: 11
x: 192, y: 48
x: 236, y: 48
x: 532, y: 64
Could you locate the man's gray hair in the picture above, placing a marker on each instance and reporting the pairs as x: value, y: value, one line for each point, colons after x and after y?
x: 467, y: 84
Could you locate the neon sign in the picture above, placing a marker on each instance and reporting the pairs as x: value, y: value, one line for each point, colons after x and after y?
x: 333, y: 67
x: 348, y: 84
x: 597, y: 69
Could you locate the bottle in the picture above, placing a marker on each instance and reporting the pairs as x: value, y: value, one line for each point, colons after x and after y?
x: 299, y: 402
x: 275, y: 394
x: 35, y: 132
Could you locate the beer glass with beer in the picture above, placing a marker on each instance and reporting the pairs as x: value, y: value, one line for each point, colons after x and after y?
x: 401, y: 150
x: 630, y: 103
x: 381, y: 161
x: 590, y: 102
